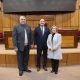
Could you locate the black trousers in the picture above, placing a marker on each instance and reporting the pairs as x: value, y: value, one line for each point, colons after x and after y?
x: 23, y: 58
x: 44, y: 56
x: 55, y: 65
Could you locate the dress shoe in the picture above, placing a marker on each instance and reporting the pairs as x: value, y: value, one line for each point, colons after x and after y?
x: 38, y: 69
x: 27, y: 70
x: 20, y: 73
x: 56, y: 72
x: 52, y: 71
x: 45, y: 69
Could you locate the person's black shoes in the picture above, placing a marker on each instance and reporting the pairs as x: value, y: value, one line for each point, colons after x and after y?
x: 45, y: 69
x: 56, y: 72
x: 38, y: 69
x: 20, y: 73
x: 27, y: 70
x: 52, y: 71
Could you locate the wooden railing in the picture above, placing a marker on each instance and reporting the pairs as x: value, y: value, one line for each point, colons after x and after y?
x: 69, y: 39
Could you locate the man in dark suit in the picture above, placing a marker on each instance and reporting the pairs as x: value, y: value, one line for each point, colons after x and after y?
x: 40, y: 40
x: 22, y: 39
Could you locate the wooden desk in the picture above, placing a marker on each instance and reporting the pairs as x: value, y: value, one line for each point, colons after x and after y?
x: 69, y: 39
x: 8, y: 40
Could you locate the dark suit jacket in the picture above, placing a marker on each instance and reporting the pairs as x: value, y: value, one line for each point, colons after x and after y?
x: 39, y: 39
x: 19, y: 36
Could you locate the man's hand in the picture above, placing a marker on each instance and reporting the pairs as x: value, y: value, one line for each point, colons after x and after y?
x: 32, y: 46
x: 35, y: 46
x: 16, y: 49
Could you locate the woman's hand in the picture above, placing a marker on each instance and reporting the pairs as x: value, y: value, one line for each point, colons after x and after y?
x: 52, y: 49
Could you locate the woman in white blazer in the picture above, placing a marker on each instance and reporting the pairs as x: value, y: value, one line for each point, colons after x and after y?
x: 54, y: 48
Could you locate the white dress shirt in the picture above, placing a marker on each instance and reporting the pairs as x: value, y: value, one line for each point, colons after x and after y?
x: 42, y: 29
x: 26, y: 38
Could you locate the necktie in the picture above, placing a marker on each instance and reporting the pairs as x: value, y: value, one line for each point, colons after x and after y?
x: 42, y: 31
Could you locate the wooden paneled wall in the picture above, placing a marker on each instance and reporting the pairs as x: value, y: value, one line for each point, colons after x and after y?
x: 9, y: 60
x: 67, y: 20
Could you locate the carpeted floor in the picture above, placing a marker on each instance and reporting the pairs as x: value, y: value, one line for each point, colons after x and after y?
x: 65, y: 73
